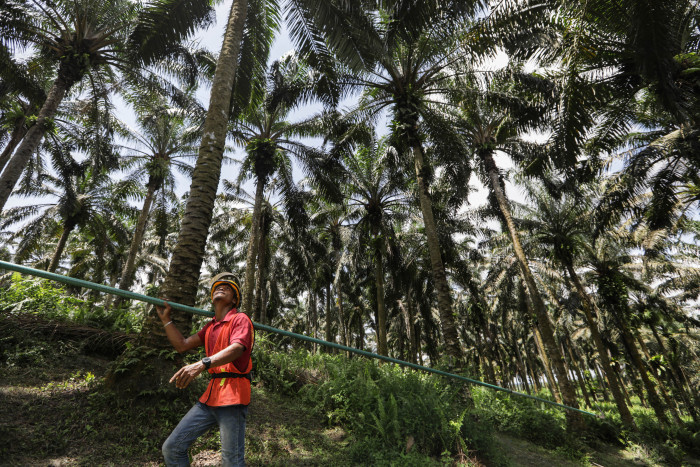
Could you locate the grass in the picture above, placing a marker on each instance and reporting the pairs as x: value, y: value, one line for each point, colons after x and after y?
x: 306, y: 410
x: 60, y: 414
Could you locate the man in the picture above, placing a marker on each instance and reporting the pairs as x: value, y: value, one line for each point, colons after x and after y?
x: 228, y: 340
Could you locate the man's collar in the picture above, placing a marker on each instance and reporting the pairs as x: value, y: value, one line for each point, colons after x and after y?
x: 228, y: 317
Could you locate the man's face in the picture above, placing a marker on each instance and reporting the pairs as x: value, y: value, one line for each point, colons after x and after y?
x: 223, y: 292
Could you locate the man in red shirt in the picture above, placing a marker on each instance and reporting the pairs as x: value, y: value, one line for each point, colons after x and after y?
x: 228, y: 340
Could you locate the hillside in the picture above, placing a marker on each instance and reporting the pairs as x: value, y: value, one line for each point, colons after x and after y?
x: 55, y: 410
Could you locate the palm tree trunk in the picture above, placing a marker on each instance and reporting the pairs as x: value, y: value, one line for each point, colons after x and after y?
x: 601, y: 380
x: 67, y: 229
x: 542, y: 350
x: 360, y: 325
x: 670, y: 403
x: 621, y: 382
x: 414, y: 334
x: 99, y: 273
x: 486, y: 370
x: 551, y: 381
x: 127, y: 276
x: 18, y: 133
x: 329, y: 323
x: 588, y: 378
x: 588, y: 307
x: 410, y: 332
x: 313, y: 317
x: 652, y: 395
x: 495, y: 347
x: 31, y: 141
x: 574, y: 420
x: 444, y: 297
x: 180, y: 284
x: 534, y: 374
x: 265, y: 296
x: 249, y: 281
x: 522, y: 370
x: 678, y: 378
x: 110, y: 297
x: 314, y: 321
x: 577, y: 369
x: 343, y: 324
x: 382, y: 347
x: 260, y: 280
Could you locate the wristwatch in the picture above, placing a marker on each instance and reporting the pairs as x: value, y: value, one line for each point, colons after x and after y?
x: 207, y: 362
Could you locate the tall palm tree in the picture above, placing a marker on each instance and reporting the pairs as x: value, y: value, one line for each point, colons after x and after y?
x: 493, y: 120
x: 400, y: 54
x: 329, y: 249
x: 83, y: 199
x: 234, y: 222
x: 270, y: 139
x: 247, y: 39
x: 16, y: 109
x: 163, y: 145
x: 21, y: 87
x: 561, y: 227
x: 618, y: 277
x: 79, y: 37
x: 375, y: 202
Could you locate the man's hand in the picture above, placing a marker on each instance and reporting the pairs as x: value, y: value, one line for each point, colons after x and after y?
x: 186, y: 374
x: 164, y: 312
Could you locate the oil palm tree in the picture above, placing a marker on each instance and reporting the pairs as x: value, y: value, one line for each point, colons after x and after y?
x: 400, y: 54
x: 77, y: 37
x: 21, y: 91
x: 331, y: 236
x: 375, y: 202
x: 234, y: 222
x: 493, y: 118
x: 84, y: 199
x: 245, y: 48
x: 563, y: 228
x: 164, y: 144
x: 270, y: 140
x: 81, y: 38
x: 622, y: 280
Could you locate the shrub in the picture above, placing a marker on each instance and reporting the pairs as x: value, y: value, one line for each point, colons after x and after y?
x: 51, y: 301
x: 396, y: 416
x: 522, y: 417
x: 38, y: 296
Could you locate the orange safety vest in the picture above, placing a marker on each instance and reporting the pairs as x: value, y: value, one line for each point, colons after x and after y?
x: 228, y: 390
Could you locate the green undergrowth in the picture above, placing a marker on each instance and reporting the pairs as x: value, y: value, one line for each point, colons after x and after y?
x: 666, y: 445
x: 388, y: 406
x: 544, y: 425
x: 308, y: 409
x: 20, y: 294
x: 396, y: 416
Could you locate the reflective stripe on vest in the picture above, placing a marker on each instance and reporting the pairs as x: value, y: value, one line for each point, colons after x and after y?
x: 227, y: 390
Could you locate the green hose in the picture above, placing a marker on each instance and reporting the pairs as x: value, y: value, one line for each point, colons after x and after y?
x: 157, y: 301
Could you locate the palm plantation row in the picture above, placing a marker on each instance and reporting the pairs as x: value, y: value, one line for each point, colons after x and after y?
x: 586, y: 287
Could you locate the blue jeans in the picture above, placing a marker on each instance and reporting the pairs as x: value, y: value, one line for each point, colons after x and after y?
x: 199, y: 419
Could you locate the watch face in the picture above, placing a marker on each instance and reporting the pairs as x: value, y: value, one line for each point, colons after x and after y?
x: 207, y: 362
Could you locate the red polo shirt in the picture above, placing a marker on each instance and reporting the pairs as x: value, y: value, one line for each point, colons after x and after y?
x: 240, y: 333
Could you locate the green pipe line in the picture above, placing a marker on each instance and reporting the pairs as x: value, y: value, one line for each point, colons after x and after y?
x: 157, y: 301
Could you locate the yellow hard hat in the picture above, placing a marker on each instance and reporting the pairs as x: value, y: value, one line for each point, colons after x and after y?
x: 230, y: 279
